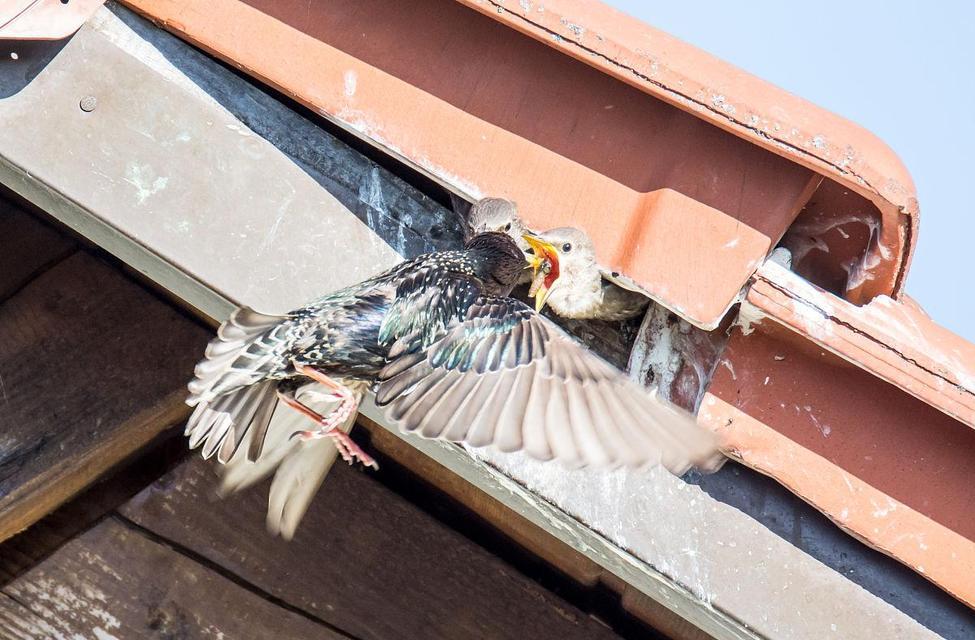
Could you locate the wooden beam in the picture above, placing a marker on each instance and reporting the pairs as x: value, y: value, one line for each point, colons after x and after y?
x: 371, y: 563
x: 24, y: 551
x: 117, y: 582
x: 93, y: 367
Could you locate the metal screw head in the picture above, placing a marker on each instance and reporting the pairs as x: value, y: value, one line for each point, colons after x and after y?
x: 88, y: 104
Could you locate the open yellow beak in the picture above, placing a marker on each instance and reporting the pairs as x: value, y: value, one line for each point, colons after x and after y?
x: 541, y: 297
x: 544, y: 263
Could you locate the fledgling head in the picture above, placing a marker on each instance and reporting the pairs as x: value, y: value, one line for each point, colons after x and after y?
x: 565, y: 267
x: 497, y: 214
x: 498, y: 261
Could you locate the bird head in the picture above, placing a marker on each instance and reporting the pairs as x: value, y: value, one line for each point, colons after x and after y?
x: 563, y: 258
x: 496, y: 214
x: 497, y: 260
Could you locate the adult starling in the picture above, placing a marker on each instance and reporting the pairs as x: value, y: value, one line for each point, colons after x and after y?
x: 498, y: 214
x: 450, y: 356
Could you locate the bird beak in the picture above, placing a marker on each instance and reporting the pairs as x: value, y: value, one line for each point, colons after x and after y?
x: 541, y: 293
x: 544, y: 262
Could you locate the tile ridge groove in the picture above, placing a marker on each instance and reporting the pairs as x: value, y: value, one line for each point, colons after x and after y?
x: 792, y: 295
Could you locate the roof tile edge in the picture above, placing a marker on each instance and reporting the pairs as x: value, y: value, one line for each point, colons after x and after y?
x: 734, y: 100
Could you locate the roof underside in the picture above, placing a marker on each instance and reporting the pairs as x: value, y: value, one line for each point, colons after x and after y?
x: 686, y: 172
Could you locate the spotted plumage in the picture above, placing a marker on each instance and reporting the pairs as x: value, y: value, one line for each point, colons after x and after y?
x: 450, y: 356
x: 345, y: 335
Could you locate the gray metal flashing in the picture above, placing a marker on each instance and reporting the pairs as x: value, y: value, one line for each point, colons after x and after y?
x: 222, y: 195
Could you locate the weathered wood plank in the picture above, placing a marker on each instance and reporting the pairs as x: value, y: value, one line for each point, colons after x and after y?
x: 364, y: 559
x: 29, y: 246
x: 93, y: 366
x: 114, y: 582
x: 23, y: 551
x: 20, y: 623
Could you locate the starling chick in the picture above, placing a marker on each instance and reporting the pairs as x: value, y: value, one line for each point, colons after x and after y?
x: 497, y: 214
x: 584, y: 291
x: 449, y: 356
x: 579, y: 289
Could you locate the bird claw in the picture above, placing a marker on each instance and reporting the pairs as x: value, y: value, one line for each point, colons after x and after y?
x: 305, y: 436
x: 329, y: 425
x: 343, y: 442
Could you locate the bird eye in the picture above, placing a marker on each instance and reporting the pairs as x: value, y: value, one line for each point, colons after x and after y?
x: 567, y: 247
x: 507, y: 227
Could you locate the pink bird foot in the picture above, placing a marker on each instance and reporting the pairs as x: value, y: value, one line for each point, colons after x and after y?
x: 329, y: 424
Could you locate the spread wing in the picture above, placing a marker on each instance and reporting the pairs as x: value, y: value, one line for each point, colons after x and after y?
x: 504, y: 376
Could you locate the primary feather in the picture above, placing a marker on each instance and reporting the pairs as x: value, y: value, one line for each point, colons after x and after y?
x: 516, y: 378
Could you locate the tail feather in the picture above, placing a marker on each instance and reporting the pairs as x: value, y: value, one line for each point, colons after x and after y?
x: 236, y: 418
x: 230, y: 391
x: 299, y: 467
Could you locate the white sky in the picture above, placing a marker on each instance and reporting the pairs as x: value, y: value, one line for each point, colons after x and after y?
x: 904, y: 70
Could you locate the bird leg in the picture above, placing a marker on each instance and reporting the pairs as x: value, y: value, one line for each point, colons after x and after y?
x: 329, y: 424
x: 348, y: 404
x: 346, y: 446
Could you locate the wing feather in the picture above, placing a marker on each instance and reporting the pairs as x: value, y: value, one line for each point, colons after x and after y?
x: 587, y: 439
x: 484, y: 429
x: 429, y: 393
x: 610, y: 433
x: 258, y: 421
x: 510, y: 422
x: 417, y: 392
x: 503, y: 376
x: 558, y: 425
x: 533, y: 424
x: 458, y: 424
x: 475, y: 407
